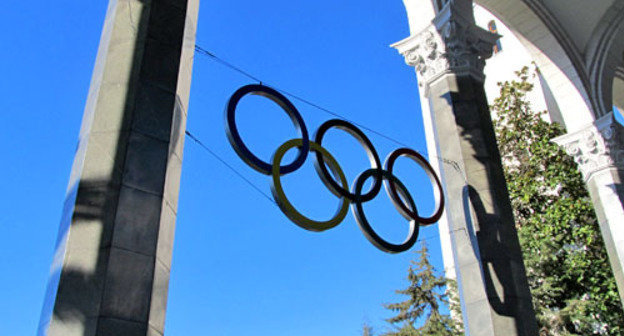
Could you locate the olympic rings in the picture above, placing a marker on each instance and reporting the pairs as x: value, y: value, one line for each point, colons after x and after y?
x: 396, y: 190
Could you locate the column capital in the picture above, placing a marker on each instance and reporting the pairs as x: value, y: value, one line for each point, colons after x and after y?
x: 451, y: 44
x: 596, y: 147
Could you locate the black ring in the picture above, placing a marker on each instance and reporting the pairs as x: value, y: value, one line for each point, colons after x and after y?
x: 371, y: 152
x: 365, y: 226
x: 394, y: 196
x: 235, y: 138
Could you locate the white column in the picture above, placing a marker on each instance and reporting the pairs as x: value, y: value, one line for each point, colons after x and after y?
x: 477, y: 233
x: 598, y: 149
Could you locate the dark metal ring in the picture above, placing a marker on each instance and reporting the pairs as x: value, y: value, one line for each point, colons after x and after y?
x: 369, y: 233
x: 394, y: 195
x: 238, y: 144
x: 371, y: 152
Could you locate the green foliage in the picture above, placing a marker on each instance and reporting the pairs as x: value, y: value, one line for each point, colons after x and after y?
x: 571, y: 281
x: 425, y: 296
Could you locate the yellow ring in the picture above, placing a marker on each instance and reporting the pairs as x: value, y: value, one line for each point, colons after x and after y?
x: 287, y: 208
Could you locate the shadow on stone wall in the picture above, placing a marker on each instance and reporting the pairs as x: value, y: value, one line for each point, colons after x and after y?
x: 496, y: 266
x: 461, y: 106
x: 73, y: 303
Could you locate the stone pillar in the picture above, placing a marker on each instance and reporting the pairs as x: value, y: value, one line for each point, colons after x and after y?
x: 110, y: 271
x: 598, y: 149
x: 449, y: 56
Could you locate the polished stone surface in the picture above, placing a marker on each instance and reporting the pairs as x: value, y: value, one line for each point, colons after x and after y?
x: 488, y: 259
x: 111, y: 268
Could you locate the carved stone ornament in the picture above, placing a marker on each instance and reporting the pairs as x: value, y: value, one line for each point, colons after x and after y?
x: 427, y: 54
x: 451, y: 44
x: 597, y: 147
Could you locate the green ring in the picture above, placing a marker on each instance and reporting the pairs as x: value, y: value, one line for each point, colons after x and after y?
x: 282, y: 201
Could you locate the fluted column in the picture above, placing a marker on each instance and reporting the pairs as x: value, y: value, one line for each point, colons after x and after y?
x: 598, y: 149
x: 449, y: 56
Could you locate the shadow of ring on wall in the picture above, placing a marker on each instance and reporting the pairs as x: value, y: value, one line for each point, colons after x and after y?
x: 495, y: 261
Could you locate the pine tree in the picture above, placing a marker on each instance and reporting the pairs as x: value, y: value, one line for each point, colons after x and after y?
x: 426, y: 294
x: 571, y: 281
x: 367, y: 330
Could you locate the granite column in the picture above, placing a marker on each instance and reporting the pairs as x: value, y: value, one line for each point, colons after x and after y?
x: 111, y: 266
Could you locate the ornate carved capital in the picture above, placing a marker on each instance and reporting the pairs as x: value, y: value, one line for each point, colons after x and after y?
x: 453, y: 43
x: 598, y: 147
x: 425, y: 52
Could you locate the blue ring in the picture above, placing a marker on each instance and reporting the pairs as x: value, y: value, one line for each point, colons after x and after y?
x: 237, y: 142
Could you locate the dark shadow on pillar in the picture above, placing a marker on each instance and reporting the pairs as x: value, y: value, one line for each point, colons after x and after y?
x: 495, y: 266
x: 618, y: 187
x: 486, y: 189
x: 470, y: 225
x: 76, y: 295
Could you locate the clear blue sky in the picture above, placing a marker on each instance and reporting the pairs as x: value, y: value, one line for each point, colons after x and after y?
x: 239, y: 266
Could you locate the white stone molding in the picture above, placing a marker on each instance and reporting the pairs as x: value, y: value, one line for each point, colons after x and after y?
x: 451, y: 44
x: 597, y: 147
x: 603, y: 55
x: 425, y: 52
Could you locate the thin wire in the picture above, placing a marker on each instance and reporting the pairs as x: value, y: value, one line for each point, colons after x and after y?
x: 226, y: 63
x: 431, y: 236
x: 200, y: 143
x: 340, y: 116
x: 205, y: 52
x: 426, y: 239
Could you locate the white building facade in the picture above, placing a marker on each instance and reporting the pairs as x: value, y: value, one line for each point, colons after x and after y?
x: 578, y: 46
